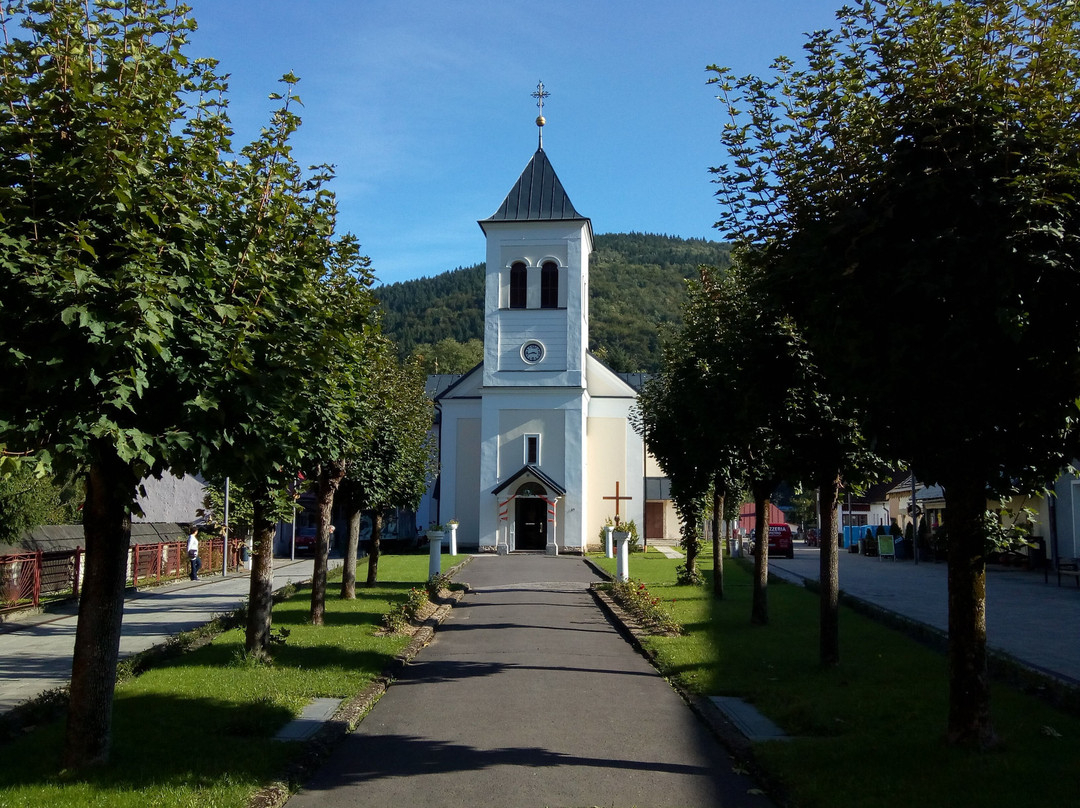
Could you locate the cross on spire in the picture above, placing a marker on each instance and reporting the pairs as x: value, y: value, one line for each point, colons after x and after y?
x: 540, y: 95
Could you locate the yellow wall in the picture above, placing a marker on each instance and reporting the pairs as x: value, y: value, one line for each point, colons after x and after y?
x: 607, y: 463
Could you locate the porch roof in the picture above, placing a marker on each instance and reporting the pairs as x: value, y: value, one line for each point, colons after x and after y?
x: 535, y: 472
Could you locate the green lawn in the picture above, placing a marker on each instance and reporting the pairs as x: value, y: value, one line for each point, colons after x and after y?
x: 197, y: 731
x: 868, y: 733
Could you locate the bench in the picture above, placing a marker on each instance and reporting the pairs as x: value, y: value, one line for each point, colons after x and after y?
x: 1069, y: 566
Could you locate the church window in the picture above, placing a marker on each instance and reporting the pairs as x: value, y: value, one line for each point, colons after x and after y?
x: 549, y: 285
x: 519, y: 277
x: 532, y: 490
x: 532, y: 450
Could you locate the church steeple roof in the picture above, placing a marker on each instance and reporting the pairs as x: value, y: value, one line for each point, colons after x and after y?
x: 537, y: 196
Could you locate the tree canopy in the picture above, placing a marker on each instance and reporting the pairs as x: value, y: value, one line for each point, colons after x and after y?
x: 160, y: 294
x: 924, y: 164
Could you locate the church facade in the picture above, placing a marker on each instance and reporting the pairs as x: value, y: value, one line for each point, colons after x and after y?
x: 536, y: 446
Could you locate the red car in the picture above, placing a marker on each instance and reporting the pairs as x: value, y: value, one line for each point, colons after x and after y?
x: 305, y: 541
x: 780, y: 543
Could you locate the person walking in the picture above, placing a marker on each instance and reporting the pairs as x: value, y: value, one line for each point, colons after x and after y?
x: 193, y: 552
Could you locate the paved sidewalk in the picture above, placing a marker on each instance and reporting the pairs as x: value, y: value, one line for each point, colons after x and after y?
x: 36, y: 650
x: 1038, y: 623
x: 528, y: 696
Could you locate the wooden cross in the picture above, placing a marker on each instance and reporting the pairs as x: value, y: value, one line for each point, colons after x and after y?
x: 617, y: 498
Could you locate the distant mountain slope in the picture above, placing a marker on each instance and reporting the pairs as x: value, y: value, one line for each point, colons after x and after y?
x: 636, y: 282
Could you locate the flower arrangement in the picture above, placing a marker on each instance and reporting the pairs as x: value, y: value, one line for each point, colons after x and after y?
x: 635, y: 597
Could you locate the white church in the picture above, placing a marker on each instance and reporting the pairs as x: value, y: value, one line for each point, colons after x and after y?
x: 536, y: 446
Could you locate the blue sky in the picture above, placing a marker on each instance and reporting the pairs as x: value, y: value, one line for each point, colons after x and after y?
x: 424, y: 106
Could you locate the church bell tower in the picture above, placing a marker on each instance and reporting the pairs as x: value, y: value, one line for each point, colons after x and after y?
x: 536, y: 288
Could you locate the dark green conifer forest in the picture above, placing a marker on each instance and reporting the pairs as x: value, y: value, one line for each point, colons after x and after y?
x: 637, y: 287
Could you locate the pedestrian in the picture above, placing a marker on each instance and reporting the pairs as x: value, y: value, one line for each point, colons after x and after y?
x: 193, y: 552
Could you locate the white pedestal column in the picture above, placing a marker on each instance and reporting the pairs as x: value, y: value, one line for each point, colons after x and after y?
x: 608, y: 551
x: 453, y: 539
x: 435, y: 538
x: 622, y: 559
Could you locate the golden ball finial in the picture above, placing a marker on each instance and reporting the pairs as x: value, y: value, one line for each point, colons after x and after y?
x: 540, y: 120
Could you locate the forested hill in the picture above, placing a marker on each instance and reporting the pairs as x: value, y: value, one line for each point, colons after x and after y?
x: 636, y: 282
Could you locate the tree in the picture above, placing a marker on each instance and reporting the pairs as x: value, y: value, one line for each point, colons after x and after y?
x: 713, y: 417
x: 339, y: 424
x: 394, y: 464
x: 658, y: 417
x: 28, y: 501
x: 109, y: 144
x: 449, y: 356
x: 281, y: 381
x: 152, y: 292
x: 927, y: 160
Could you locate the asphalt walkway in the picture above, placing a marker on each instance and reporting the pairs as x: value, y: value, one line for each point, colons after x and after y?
x: 529, y: 696
x: 36, y: 649
x: 1035, y: 621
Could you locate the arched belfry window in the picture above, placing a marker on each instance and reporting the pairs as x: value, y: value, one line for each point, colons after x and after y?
x: 549, y: 285
x: 519, y: 277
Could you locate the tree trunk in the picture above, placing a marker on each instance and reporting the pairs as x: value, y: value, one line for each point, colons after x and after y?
x: 969, y: 682
x: 373, y: 556
x: 692, y: 541
x: 261, y: 589
x: 107, y: 530
x: 330, y: 476
x: 348, y: 573
x: 759, y: 610
x: 829, y: 598
x: 717, y: 548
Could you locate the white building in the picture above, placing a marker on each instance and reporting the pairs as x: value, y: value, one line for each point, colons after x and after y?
x: 536, y: 442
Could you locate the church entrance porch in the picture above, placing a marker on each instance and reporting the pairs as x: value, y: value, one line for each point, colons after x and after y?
x: 527, y: 518
x: 530, y: 523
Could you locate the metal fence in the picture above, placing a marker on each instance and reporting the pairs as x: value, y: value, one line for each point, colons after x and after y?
x: 26, y: 579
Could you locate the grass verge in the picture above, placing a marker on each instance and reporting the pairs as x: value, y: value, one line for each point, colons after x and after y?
x: 869, y: 732
x: 197, y: 729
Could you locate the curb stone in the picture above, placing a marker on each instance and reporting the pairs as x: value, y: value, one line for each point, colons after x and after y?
x: 352, y: 711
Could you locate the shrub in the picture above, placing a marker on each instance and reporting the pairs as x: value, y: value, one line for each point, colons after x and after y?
x: 686, y: 577
x: 400, y: 617
x: 436, y: 583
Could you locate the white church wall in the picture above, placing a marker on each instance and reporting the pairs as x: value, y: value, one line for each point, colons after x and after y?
x: 459, y: 461
x: 574, y: 533
x: 464, y: 506
x: 550, y: 425
x: 547, y: 326
x: 533, y: 242
x: 554, y: 413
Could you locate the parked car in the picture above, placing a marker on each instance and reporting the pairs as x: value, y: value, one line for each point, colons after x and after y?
x: 780, y: 541
x: 305, y: 541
